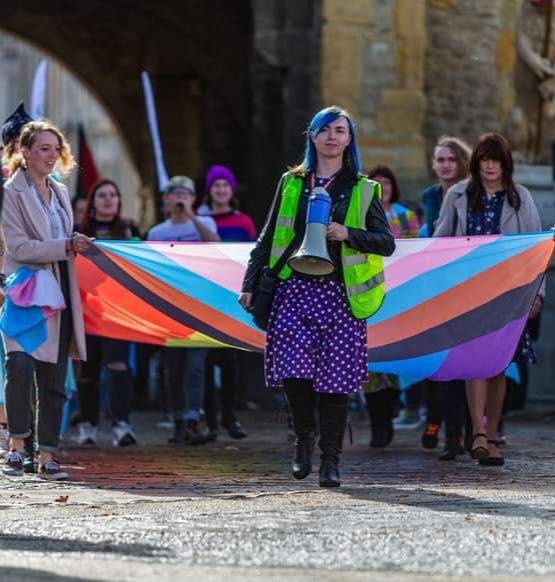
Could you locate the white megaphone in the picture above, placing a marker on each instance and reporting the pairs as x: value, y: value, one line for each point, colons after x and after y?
x: 312, y: 258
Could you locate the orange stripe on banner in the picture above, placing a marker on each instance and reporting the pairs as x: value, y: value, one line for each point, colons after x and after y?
x: 111, y: 310
x: 208, y: 315
x: 478, y: 290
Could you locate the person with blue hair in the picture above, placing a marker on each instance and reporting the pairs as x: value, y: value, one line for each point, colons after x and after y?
x: 316, y: 338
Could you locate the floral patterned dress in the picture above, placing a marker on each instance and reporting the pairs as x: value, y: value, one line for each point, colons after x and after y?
x: 487, y: 221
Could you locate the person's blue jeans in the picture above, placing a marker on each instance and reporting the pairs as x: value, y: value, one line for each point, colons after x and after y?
x: 185, y: 373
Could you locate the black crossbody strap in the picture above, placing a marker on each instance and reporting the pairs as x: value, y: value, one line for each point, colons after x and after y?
x: 286, y: 253
x: 281, y: 261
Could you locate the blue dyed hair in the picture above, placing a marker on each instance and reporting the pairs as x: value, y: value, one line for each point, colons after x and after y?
x: 317, y: 124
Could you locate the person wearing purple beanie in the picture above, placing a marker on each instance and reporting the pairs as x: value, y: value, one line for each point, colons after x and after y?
x: 221, y: 204
x: 233, y: 226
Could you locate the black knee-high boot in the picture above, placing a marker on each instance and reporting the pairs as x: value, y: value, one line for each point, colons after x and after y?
x: 300, y: 399
x: 333, y: 419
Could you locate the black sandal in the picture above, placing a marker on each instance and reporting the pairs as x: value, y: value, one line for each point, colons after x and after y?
x: 480, y: 452
x: 492, y: 461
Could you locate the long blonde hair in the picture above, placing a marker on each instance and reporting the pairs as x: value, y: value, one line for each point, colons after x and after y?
x: 29, y: 134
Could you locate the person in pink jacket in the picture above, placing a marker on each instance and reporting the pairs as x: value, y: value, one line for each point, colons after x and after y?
x: 37, y: 226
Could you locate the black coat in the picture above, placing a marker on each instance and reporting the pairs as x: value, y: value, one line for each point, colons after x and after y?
x: 376, y: 238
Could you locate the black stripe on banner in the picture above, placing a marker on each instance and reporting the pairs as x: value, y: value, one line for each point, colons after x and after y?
x: 470, y: 325
x: 110, y: 268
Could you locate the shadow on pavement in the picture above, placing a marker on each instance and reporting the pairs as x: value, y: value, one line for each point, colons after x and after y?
x: 14, y: 574
x: 22, y: 543
x: 447, y: 502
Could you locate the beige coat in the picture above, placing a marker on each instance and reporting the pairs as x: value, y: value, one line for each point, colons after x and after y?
x: 28, y: 243
x: 526, y: 219
x: 455, y: 204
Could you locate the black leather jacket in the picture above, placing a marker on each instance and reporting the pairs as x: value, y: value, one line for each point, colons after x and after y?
x: 376, y: 238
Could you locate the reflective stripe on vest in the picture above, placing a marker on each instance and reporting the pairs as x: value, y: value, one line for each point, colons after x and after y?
x: 362, y: 273
x: 284, y: 230
x: 370, y: 284
x: 354, y: 260
x: 285, y: 222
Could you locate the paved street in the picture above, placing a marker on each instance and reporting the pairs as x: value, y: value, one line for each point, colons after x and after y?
x: 230, y: 511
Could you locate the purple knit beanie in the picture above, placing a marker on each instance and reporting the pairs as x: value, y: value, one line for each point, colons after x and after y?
x: 220, y: 173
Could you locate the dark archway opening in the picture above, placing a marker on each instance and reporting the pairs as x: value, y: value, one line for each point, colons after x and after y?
x: 235, y: 82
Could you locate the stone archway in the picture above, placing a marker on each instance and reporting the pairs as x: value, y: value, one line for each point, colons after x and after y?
x: 234, y: 81
x: 184, y: 48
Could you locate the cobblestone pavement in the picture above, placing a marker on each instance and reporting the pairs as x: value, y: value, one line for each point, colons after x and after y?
x: 230, y: 510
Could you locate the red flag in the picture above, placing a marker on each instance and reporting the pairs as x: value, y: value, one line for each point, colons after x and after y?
x: 88, y: 174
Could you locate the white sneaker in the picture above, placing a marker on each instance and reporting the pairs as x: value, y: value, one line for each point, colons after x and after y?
x: 4, y: 442
x: 88, y: 434
x: 123, y: 434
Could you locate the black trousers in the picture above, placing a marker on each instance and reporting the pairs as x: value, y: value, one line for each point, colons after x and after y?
x: 102, y: 351
x: 452, y: 396
x: 433, y: 401
x: 228, y: 362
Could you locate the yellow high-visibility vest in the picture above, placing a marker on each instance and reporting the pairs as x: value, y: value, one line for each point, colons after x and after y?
x: 362, y: 273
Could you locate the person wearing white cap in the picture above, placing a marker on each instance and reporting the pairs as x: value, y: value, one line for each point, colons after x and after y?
x: 185, y: 368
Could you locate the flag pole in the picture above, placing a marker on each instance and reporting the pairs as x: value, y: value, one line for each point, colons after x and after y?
x: 38, y: 91
x: 161, y: 171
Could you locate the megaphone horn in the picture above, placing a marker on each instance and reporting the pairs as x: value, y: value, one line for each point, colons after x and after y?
x: 312, y: 258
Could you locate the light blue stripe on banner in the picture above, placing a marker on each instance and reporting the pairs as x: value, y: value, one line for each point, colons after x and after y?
x: 168, y: 271
x: 432, y: 283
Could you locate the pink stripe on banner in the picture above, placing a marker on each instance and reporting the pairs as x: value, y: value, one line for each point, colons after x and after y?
x: 221, y: 264
x: 430, y: 257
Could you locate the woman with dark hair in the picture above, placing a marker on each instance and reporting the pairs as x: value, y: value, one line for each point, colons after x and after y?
x: 102, y: 216
x: 382, y: 390
x: 490, y: 203
x: 102, y: 220
x: 316, y: 338
x: 403, y: 222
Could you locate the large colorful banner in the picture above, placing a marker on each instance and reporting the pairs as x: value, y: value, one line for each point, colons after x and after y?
x: 455, y: 307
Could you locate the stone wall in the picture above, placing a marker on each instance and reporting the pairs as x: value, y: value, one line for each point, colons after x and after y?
x: 373, y: 63
x: 412, y: 70
x: 285, y: 90
x: 470, y: 60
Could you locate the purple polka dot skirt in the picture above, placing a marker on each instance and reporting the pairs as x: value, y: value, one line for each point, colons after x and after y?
x: 313, y: 335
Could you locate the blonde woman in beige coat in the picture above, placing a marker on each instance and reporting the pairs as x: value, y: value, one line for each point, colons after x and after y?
x: 37, y: 225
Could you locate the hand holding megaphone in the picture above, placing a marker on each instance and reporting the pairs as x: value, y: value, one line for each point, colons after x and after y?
x: 313, y: 258
x: 337, y: 232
